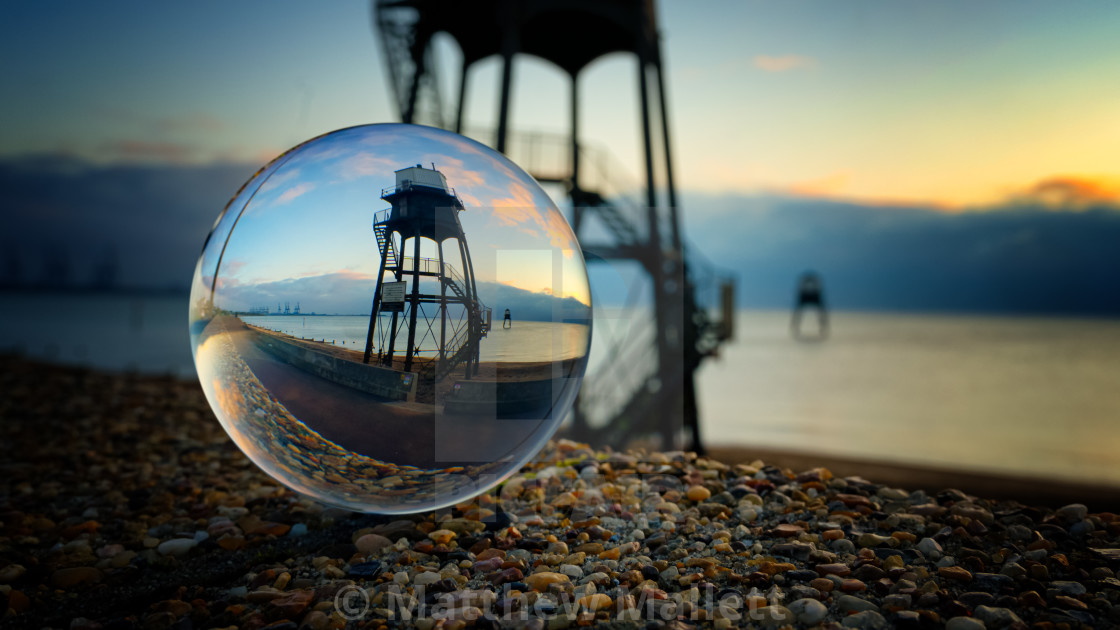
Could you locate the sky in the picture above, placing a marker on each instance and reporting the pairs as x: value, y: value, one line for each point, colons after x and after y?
x: 302, y: 230
x: 815, y: 118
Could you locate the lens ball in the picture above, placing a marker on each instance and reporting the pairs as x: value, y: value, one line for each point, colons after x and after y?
x: 390, y: 318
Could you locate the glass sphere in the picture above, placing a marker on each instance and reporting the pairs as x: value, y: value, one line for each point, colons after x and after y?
x: 390, y: 318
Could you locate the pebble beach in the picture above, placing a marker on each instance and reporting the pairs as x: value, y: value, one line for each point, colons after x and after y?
x: 123, y: 504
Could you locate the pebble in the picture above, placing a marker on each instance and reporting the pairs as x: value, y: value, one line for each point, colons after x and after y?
x: 442, y: 536
x: 76, y: 576
x: 787, y: 530
x: 372, y: 544
x: 596, y: 602
x: 835, y: 568
x: 176, y: 546
x: 808, y: 612
x: 866, y: 620
x: 541, y: 581
x: 11, y: 573
x: 955, y: 573
x: 850, y: 603
x: 698, y: 494
x: 996, y: 617
x: 964, y: 623
x: 572, y: 571
x: 774, y: 616
x: 1073, y: 512
x: 930, y: 548
x: 292, y: 604
x: 1066, y: 587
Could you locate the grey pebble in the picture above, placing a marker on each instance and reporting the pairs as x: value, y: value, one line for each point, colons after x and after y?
x: 929, y: 547
x: 1070, y: 588
x: 808, y: 611
x: 1073, y: 512
x: 996, y: 617
x: 964, y: 623
x: 868, y: 620
x: 850, y: 603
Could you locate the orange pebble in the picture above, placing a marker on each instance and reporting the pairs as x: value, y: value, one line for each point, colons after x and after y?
x: 698, y: 494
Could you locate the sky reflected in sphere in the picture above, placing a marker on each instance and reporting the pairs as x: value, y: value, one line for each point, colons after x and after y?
x: 390, y: 318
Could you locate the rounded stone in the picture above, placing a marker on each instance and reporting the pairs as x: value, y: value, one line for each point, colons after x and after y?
x: 372, y: 543
x: 698, y: 494
x: 850, y: 603
x: 964, y: 623
x: 1073, y: 512
x: 176, y: 546
x: 808, y: 611
x: 866, y: 620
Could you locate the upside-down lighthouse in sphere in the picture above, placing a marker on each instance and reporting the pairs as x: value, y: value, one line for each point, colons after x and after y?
x: 428, y: 300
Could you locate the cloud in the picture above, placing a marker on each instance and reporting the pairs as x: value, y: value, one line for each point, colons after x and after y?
x: 156, y: 217
x: 295, y: 192
x: 453, y: 169
x: 1072, y: 192
x: 783, y: 63
x: 1014, y: 258
x: 1023, y: 256
x: 365, y: 164
x: 517, y: 209
x: 232, y: 267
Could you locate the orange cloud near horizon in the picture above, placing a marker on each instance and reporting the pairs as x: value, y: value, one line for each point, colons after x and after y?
x: 1075, y: 191
x: 1056, y: 192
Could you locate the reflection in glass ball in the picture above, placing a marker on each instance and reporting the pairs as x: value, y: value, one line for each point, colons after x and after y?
x: 390, y: 318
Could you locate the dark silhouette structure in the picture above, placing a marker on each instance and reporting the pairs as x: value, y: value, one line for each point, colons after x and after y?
x: 507, y: 322
x: 659, y: 393
x: 810, y: 294
x: 424, y: 291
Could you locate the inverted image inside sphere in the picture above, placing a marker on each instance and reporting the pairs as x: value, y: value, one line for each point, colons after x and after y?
x: 390, y: 318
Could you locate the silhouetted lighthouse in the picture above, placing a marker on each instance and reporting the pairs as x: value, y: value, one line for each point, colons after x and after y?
x: 429, y: 298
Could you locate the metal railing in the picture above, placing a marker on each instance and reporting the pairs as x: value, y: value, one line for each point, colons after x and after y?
x: 548, y: 156
x: 409, y: 184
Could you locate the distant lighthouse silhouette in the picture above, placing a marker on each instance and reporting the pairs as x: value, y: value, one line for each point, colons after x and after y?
x: 810, y: 294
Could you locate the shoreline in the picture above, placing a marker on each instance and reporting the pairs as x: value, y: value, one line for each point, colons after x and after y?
x: 995, y: 485
x: 488, y: 370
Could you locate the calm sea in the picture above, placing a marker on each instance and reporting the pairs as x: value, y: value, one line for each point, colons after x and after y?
x: 1038, y: 396
x: 1015, y: 395
x: 522, y: 341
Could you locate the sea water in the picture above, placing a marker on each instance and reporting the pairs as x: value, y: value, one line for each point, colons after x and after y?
x: 1017, y: 395
x: 526, y: 341
x: 1023, y: 395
